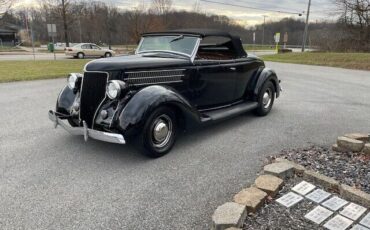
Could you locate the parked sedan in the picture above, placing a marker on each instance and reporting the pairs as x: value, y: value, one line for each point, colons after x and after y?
x: 88, y: 50
x: 176, y: 79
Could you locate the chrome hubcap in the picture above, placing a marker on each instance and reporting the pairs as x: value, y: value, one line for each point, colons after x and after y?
x: 162, y: 131
x: 267, y: 98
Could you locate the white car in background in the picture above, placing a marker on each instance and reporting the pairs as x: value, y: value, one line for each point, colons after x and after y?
x: 88, y: 50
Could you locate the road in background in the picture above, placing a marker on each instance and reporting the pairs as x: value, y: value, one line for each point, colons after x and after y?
x: 22, y: 56
x: 52, y: 180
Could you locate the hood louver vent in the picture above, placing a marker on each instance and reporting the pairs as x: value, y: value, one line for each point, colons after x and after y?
x: 154, y: 77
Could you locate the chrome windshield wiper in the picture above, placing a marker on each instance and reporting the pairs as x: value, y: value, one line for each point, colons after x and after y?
x: 180, y: 37
x: 163, y: 53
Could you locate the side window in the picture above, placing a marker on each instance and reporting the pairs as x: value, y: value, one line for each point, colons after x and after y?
x: 86, y: 46
x: 216, y: 48
x: 95, y: 47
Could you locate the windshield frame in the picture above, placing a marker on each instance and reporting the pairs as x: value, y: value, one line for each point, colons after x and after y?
x: 191, y: 56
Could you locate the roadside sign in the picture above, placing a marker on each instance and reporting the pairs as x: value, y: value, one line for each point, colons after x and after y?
x: 277, y: 40
x: 277, y: 37
x: 52, y: 30
x: 286, y: 37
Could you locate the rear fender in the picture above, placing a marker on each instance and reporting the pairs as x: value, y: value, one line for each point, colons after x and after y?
x: 143, y: 103
x: 264, y: 75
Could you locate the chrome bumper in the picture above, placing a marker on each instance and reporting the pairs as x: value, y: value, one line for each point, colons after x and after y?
x: 86, y: 132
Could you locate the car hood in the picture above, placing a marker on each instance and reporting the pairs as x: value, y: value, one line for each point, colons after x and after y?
x: 137, y: 61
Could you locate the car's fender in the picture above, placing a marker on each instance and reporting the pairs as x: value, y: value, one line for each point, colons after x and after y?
x: 140, y: 106
x: 266, y: 74
x: 65, y: 100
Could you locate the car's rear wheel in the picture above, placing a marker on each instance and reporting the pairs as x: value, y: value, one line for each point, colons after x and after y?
x: 81, y: 55
x: 107, y: 55
x: 266, y: 99
x: 159, y: 133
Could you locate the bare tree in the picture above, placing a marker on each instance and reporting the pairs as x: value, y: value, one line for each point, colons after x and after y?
x: 65, y: 4
x: 62, y: 8
x: 162, y: 8
x: 355, y: 15
x: 4, y: 6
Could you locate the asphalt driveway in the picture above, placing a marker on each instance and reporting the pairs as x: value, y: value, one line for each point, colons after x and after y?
x: 51, y: 180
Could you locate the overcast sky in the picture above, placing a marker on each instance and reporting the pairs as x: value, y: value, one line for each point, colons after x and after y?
x: 321, y: 9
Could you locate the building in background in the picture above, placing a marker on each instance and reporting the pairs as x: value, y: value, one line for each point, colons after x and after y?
x: 8, y: 35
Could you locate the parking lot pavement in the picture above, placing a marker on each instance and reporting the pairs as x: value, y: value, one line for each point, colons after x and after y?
x: 52, y: 180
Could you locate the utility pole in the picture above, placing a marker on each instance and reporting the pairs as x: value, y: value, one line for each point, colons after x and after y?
x: 263, y: 33
x: 79, y: 23
x: 305, y: 34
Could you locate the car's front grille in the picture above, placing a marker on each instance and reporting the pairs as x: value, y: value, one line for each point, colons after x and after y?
x: 154, y: 77
x: 92, y: 95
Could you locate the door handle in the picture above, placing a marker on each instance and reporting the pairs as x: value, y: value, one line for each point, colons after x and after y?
x: 233, y: 68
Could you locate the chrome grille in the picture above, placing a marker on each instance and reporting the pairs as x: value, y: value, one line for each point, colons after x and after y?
x: 92, y: 95
x: 154, y: 77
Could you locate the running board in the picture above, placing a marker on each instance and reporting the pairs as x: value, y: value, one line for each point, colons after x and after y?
x: 228, y: 112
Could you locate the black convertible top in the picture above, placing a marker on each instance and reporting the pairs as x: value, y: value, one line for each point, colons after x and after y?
x: 198, y: 32
x: 235, y: 42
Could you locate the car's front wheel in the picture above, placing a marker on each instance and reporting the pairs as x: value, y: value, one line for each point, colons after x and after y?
x: 265, y: 99
x: 81, y: 55
x: 159, y: 133
x: 107, y: 55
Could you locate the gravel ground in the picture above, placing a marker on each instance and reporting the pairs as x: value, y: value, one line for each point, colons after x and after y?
x: 352, y: 169
x: 276, y: 216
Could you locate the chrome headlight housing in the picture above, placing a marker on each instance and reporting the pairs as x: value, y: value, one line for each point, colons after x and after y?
x: 73, y: 79
x: 115, y: 88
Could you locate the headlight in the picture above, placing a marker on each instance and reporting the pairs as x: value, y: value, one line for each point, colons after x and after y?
x: 114, y: 88
x: 72, y: 79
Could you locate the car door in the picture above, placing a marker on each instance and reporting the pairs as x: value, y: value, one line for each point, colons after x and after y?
x: 245, y: 68
x: 86, y: 49
x: 97, y: 51
x: 214, y: 83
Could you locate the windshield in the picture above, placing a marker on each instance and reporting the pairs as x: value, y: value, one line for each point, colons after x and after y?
x: 178, y: 44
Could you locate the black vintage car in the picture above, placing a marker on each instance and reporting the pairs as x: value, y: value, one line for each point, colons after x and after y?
x: 176, y: 79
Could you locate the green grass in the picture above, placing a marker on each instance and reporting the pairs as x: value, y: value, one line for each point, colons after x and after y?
x: 344, y: 60
x: 259, y: 47
x: 9, y: 49
x: 33, y: 70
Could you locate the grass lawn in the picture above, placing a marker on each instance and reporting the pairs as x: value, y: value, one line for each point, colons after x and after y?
x: 32, y: 70
x: 344, y: 60
x: 258, y: 47
x: 9, y: 49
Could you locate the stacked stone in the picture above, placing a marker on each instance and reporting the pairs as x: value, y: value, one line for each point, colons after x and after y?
x: 354, y: 142
x: 231, y: 215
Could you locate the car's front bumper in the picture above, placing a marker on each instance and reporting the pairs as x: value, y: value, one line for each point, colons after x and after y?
x: 86, y: 132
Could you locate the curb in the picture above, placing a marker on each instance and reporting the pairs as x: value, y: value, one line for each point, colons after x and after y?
x: 249, y: 200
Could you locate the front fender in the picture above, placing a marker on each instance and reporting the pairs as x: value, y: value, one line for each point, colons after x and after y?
x: 263, y: 75
x: 140, y: 106
x: 65, y: 100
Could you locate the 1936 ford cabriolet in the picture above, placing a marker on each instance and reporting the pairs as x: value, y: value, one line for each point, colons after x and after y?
x: 176, y: 79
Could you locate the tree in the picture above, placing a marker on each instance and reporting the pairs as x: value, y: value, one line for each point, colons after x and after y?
x: 65, y: 4
x: 355, y: 15
x: 162, y: 8
x: 4, y: 6
x: 62, y: 9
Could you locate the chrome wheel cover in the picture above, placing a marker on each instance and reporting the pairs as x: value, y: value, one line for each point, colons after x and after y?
x: 267, y: 98
x: 162, y: 131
